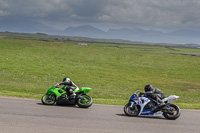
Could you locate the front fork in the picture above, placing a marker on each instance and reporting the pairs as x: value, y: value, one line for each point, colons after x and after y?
x: 132, y: 105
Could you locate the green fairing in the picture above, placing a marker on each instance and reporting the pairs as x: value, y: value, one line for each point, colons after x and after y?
x: 53, y: 96
x: 84, y: 89
x: 59, y: 91
x: 55, y: 91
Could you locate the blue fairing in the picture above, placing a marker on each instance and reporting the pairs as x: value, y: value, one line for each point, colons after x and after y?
x: 132, y: 97
x: 147, y: 112
x: 135, y: 96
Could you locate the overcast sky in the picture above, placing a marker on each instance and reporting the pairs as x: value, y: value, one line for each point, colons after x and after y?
x: 104, y: 14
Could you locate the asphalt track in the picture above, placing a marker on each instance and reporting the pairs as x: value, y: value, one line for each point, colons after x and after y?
x: 30, y: 116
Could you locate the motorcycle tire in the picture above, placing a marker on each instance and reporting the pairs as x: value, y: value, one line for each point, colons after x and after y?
x: 131, y: 112
x: 48, y: 99
x: 87, y: 102
x: 170, y: 114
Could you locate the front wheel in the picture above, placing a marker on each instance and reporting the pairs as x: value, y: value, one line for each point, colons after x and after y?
x: 48, y: 99
x: 131, y: 111
x: 85, y: 102
x: 173, y: 112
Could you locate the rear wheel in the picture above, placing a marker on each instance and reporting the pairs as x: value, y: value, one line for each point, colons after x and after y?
x: 173, y: 112
x: 48, y: 99
x: 86, y: 102
x: 131, y: 111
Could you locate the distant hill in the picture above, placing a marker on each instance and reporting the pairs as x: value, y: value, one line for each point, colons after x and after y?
x: 136, y: 31
x: 84, y: 30
x: 182, y: 36
x: 137, y: 34
x: 23, y: 26
x: 185, y: 33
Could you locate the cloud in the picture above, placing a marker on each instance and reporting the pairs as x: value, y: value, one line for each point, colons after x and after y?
x: 149, y: 13
x: 4, y: 13
x: 153, y: 12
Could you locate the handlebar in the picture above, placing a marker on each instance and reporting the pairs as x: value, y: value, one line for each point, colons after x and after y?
x: 57, y: 85
x: 139, y: 93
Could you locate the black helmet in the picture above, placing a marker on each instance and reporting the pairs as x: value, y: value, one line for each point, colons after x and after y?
x: 148, y: 87
x: 66, y: 80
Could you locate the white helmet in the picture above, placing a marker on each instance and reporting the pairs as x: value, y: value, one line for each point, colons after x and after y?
x: 67, y: 80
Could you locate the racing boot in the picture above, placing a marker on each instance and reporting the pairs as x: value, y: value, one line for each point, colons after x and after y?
x: 73, y: 95
x: 162, y: 104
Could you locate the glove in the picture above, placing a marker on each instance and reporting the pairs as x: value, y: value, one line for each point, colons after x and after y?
x: 57, y: 85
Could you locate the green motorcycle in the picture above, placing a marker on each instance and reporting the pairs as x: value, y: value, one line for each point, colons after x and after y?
x: 61, y: 97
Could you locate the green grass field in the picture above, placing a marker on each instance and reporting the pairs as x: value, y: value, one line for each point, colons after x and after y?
x: 113, y: 71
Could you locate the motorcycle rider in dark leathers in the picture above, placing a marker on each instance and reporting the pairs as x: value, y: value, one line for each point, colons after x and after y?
x: 69, y: 86
x: 155, y: 94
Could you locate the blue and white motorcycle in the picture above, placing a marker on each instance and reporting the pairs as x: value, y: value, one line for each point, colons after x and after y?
x: 139, y: 105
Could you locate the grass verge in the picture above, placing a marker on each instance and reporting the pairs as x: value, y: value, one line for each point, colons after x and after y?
x: 114, y: 71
